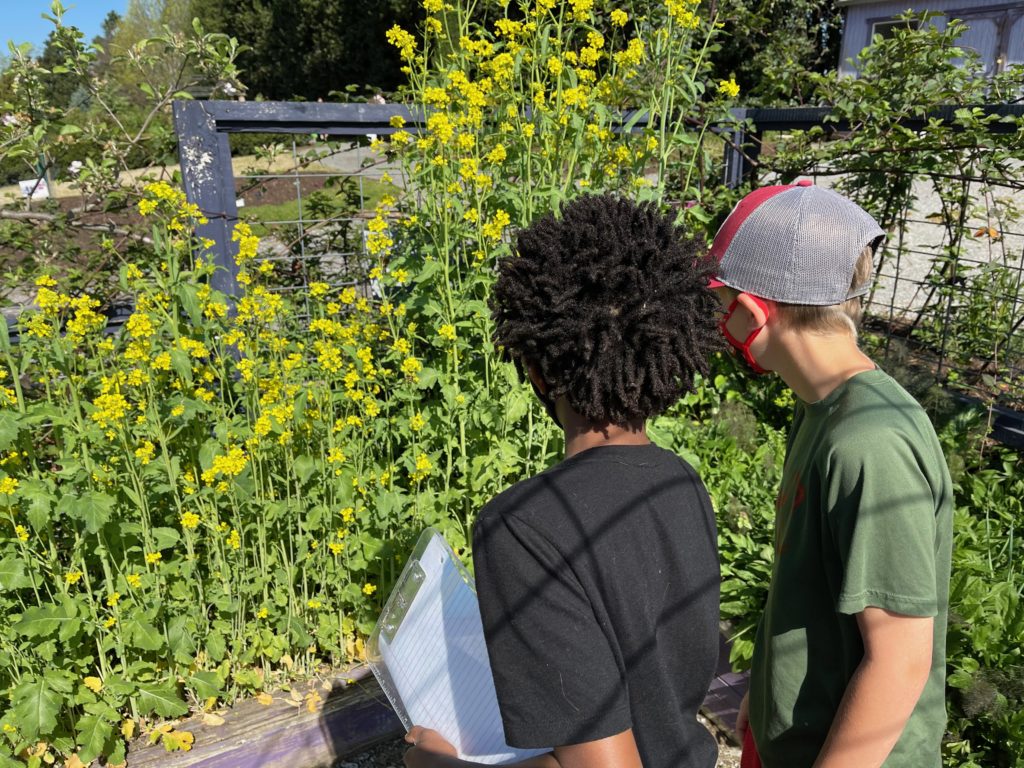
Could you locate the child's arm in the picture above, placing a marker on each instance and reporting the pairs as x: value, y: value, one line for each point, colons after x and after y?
x: 883, y: 691
x: 430, y: 750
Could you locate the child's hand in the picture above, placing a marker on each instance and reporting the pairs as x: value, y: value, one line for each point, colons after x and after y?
x: 427, y: 745
x: 742, y: 717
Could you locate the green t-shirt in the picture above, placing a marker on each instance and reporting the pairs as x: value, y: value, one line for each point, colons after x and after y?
x: 864, y: 518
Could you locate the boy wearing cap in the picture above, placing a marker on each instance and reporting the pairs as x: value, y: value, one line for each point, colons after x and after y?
x: 849, y: 659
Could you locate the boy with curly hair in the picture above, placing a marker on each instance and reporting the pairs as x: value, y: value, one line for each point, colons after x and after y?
x: 849, y: 659
x: 598, y: 578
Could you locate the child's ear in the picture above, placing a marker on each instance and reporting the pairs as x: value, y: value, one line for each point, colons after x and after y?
x: 538, y: 381
x: 758, y: 309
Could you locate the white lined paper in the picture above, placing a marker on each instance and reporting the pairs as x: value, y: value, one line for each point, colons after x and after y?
x: 429, y: 653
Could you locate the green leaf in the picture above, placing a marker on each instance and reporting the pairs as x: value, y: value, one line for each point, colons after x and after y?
x: 12, y: 573
x: 216, y: 648
x: 180, y: 637
x: 165, y: 538
x: 36, y: 706
x: 42, y: 621
x: 182, y: 364
x: 38, y: 621
x: 5, y: 335
x: 189, y: 299
x: 144, y: 635
x: 40, y: 503
x: 95, y: 508
x: 161, y: 699
x: 206, y: 685
x: 8, y: 427
x: 93, y: 732
x: 304, y: 467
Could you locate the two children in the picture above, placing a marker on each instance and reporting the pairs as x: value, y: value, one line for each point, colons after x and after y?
x: 597, y: 579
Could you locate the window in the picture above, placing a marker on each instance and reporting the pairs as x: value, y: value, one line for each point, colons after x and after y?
x: 887, y: 29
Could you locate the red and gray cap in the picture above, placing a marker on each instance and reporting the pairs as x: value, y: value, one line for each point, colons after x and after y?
x: 797, y: 244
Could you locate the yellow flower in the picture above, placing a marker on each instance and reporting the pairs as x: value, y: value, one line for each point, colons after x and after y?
x: 8, y: 485
x: 680, y: 11
x: 729, y: 88
x: 152, y: 558
x: 554, y: 65
x: 435, y: 96
x: 619, y: 18
x: 411, y: 366
x: 497, y: 155
x: 113, y: 599
x: 134, y: 580
x: 262, y: 613
x: 189, y: 520
x: 447, y: 331
x: 109, y: 622
x: 493, y: 229
x: 144, y: 453
x: 317, y: 290
x: 234, y: 539
x: 633, y: 54
x: 369, y: 589
x: 21, y: 532
x: 73, y: 577
x: 314, y: 604
x: 417, y: 422
x: 403, y: 41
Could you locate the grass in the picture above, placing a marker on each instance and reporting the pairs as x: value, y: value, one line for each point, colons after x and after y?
x: 337, y: 202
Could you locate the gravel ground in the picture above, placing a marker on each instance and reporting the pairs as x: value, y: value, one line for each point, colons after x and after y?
x: 389, y: 754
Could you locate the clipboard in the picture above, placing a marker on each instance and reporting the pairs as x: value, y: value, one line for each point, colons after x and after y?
x: 429, y: 655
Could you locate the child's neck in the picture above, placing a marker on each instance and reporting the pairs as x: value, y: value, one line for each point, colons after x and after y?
x: 813, y: 365
x: 581, y: 435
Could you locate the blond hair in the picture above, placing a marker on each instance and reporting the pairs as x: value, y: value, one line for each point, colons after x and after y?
x: 833, y: 318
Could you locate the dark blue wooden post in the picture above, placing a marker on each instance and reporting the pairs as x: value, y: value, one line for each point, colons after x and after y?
x: 209, y: 182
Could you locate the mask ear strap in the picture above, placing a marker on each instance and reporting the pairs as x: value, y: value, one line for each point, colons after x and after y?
x: 744, y: 346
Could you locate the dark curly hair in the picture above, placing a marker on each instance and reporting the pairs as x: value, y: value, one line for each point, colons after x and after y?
x: 610, y: 303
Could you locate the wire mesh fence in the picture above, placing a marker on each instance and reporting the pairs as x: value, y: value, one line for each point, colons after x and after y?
x: 948, y: 297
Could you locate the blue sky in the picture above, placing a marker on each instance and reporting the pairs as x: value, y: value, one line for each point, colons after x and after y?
x: 22, y: 22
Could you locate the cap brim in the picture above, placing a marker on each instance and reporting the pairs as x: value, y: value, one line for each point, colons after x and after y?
x: 715, y: 283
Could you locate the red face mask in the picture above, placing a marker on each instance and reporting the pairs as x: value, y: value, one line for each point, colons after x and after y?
x: 744, y: 346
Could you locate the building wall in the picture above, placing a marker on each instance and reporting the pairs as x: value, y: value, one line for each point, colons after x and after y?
x: 992, y: 25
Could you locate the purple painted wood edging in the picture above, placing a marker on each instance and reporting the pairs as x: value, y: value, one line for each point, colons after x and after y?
x: 353, y: 717
x: 722, y: 703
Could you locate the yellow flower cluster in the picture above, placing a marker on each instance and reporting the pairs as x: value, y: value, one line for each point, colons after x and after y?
x: 682, y: 12
x: 403, y: 41
x: 144, y: 453
x: 111, y: 408
x: 729, y: 88
x: 8, y: 485
x: 190, y: 520
x: 227, y: 465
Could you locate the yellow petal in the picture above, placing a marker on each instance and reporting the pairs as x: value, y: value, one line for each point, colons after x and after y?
x: 94, y: 684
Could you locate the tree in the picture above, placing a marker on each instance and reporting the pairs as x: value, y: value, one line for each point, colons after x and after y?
x: 309, y: 48
x: 772, y: 43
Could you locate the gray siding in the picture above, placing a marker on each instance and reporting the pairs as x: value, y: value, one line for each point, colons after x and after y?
x: 992, y: 24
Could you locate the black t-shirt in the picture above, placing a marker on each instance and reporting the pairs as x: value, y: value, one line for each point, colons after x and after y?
x: 598, y: 585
